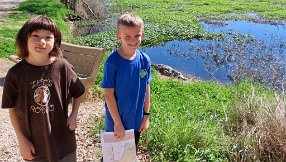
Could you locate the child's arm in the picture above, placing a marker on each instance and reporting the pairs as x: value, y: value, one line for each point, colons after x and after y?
x: 145, y: 122
x: 26, y: 147
x: 119, y: 130
x: 71, y: 122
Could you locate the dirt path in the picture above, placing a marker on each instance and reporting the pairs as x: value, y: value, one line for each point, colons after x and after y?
x: 6, y: 7
x: 7, y: 138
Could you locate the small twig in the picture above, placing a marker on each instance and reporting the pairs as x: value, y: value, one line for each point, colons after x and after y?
x: 88, y: 8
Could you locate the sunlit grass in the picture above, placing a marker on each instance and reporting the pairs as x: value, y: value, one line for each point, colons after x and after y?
x: 27, y: 9
x: 181, y: 10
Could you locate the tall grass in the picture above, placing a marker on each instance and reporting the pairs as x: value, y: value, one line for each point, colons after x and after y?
x: 257, y: 125
x: 185, y: 121
x: 204, y: 121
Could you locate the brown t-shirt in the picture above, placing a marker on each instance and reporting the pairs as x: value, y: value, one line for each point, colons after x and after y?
x: 40, y: 95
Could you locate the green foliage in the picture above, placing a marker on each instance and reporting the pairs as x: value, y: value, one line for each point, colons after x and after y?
x: 8, y: 31
x: 182, y: 10
x: 104, y: 39
x: 171, y: 20
x: 185, y: 121
x: 99, y: 122
x: 97, y: 86
x: 50, y: 8
x: 7, y: 47
x: 154, y: 34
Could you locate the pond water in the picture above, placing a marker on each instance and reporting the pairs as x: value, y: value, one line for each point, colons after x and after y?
x: 249, y: 49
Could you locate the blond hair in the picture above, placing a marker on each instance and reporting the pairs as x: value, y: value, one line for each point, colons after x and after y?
x: 130, y: 20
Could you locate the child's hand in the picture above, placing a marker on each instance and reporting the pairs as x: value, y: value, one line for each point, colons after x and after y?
x: 71, y: 122
x: 119, y: 131
x: 145, y: 123
x: 27, y: 149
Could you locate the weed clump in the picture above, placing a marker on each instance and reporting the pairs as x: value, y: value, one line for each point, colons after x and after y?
x: 257, y: 125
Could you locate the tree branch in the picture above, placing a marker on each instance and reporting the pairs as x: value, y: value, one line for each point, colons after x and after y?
x: 88, y: 8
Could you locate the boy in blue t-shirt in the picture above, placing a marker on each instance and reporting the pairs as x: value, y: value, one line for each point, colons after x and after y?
x: 127, y: 75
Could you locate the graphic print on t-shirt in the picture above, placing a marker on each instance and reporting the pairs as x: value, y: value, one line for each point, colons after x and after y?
x: 143, y: 73
x: 42, y: 96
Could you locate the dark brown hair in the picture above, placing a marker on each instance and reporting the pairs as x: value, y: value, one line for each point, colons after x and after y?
x: 130, y: 20
x: 33, y: 24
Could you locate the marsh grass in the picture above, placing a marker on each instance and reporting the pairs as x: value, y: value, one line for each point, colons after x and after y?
x: 205, y: 121
x: 170, y: 19
x: 257, y: 125
x: 155, y: 34
x: 181, y: 10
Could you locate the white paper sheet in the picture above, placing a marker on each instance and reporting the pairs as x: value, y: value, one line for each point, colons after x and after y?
x: 115, y: 150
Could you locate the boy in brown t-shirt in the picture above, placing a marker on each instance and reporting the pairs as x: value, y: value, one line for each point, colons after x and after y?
x: 37, y: 91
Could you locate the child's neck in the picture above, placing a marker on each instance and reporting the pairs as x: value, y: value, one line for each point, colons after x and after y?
x: 40, y: 61
x: 127, y: 54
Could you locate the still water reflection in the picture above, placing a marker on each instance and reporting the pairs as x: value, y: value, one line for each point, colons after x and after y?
x: 250, y: 49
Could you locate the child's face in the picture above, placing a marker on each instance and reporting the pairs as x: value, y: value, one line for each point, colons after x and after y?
x: 41, y: 42
x: 130, y: 37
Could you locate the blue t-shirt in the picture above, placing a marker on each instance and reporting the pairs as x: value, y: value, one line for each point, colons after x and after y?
x: 129, y: 78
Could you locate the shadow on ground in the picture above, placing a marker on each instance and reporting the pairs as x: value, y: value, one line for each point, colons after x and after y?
x: 2, y: 79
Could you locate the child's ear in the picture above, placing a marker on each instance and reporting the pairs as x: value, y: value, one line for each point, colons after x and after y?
x: 143, y: 34
x: 118, y: 36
